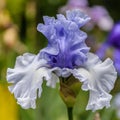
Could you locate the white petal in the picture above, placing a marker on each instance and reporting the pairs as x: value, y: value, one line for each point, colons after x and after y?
x: 63, y: 72
x: 53, y: 80
x: 24, y: 60
x: 27, y: 77
x: 98, y: 77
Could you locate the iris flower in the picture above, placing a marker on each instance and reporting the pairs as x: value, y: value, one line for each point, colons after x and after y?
x: 113, y: 41
x: 66, y: 54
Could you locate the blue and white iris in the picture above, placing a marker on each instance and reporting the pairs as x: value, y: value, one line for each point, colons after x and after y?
x: 66, y: 54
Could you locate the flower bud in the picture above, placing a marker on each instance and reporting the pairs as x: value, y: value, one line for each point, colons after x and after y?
x: 69, y: 89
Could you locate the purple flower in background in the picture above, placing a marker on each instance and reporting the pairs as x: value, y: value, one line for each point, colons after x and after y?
x: 113, y: 40
x: 66, y: 54
x: 74, y: 4
x: 99, y: 15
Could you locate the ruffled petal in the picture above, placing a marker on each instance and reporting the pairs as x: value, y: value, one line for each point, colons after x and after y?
x: 78, y: 17
x: 66, y: 42
x: 48, y: 31
x: 64, y: 72
x: 27, y: 77
x: 48, y: 20
x: 98, y: 77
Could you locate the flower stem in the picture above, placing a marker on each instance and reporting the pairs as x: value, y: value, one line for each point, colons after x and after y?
x: 70, y: 114
x: 97, y: 116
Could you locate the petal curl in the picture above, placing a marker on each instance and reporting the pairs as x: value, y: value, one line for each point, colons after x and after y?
x: 98, y: 77
x: 64, y: 72
x: 78, y: 17
x: 27, y: 77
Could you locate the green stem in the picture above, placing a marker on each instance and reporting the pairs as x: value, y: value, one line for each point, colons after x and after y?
x: 70, y: 114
